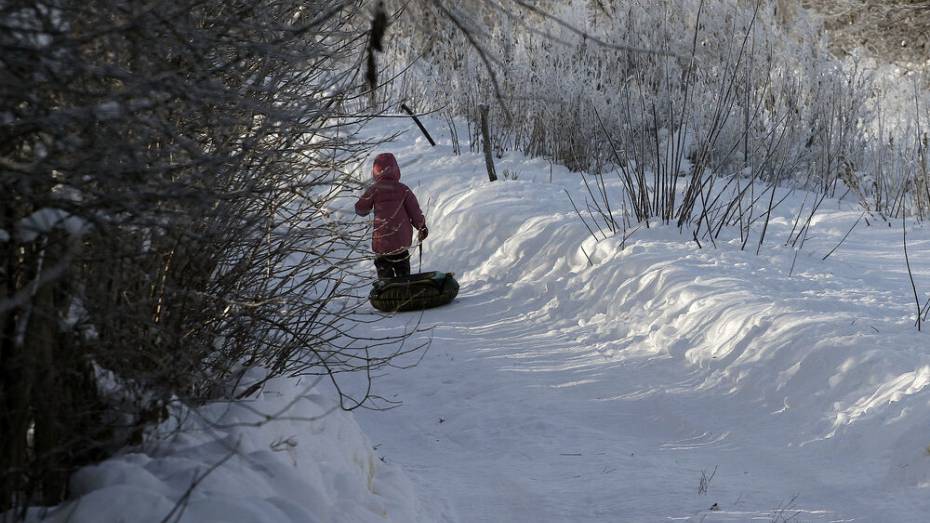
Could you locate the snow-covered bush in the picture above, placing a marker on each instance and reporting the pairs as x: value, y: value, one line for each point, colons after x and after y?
x: 697, y: 88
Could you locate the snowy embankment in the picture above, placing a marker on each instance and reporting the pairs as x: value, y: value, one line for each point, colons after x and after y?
x: 558, y: 389
x: 580, y: 380
x: 288, y: 454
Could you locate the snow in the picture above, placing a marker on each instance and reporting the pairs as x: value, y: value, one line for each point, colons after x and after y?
x: 576, y: 380
x: 559, y: 391
x: 109, y: 110
x: 310, y: 464
x: 46, y: 220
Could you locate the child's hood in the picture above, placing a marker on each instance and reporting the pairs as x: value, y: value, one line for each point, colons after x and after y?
x: 385, y: 168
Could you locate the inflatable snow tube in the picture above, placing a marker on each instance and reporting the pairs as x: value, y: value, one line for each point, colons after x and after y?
x: 415, y: 292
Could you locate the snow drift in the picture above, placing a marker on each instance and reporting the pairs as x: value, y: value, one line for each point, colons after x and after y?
x: 580, y: 380
x: 583, y: 380
x: 288, y: 455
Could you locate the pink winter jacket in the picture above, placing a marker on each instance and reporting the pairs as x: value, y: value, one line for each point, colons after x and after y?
x: 396, y: 208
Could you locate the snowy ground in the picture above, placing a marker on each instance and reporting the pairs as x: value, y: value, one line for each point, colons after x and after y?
x: 558, y: 390
x: 230, y: 463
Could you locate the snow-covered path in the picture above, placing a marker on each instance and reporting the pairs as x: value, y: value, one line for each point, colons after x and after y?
x: 558, y: 390
x: 576, y: 380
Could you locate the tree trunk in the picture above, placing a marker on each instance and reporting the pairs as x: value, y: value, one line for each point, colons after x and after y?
x: 486, y: 143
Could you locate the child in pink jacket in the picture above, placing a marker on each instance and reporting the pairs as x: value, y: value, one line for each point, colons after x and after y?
x: 397, y: 213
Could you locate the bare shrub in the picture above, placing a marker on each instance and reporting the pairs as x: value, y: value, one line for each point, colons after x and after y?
x: 679, y: 100
x: 168, y: 172
x: 706, y: 478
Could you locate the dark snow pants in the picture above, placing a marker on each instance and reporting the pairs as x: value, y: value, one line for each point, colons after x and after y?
x: 393, y: 265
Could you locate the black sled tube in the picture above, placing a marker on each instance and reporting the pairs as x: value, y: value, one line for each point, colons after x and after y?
x: 420, y: 125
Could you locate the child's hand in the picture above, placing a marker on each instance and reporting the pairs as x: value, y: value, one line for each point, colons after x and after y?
x: 424, y: 232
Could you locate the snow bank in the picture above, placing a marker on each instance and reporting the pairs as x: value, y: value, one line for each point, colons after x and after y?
x: 746, y: 323
x: 585, y: 380
x: 229, y: 462
x: 576, y: 380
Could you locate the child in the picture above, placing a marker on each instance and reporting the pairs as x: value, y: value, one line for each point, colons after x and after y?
x: 396, y: 214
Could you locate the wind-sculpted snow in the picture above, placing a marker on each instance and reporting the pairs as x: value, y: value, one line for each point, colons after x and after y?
x: 588, y: 380
x: 583, y: 380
